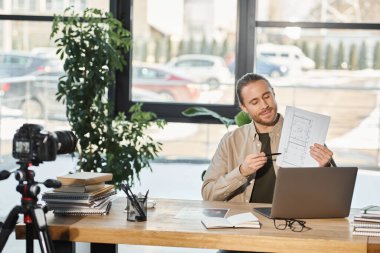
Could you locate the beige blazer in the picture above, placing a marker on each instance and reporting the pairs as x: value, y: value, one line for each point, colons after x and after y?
x: 223, y: 181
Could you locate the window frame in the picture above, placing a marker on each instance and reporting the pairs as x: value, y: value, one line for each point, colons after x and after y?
x: 245, y: 55
x: 172, y: 111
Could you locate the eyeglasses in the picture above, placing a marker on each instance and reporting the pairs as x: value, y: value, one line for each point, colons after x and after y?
x: 293, y: 224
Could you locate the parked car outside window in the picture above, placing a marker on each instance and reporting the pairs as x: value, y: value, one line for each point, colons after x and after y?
x: 202, y: 68
x: 172, y: 86
x: 288, y: 55
x: 34, y: 95
x: 266, y: 68
x: 21, y: 63
x: 271, y: 69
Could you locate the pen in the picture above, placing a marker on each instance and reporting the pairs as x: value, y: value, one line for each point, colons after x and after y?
x: 267, y: 155
x: 124, y: 188
x: 134, y: 201
x: 146, y: 195
x: 332, y: 162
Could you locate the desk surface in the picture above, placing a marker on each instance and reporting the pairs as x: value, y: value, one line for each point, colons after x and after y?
x: 163, y: 229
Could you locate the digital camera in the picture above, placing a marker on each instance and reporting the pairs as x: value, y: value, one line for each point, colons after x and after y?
x: 32, y: 144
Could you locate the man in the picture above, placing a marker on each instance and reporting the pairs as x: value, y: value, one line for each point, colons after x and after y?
x: 240, y: 170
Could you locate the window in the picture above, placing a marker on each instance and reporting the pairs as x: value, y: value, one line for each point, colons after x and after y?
x: 49, y: 7
x: 193, y: 42
x: 318, y: 11
x: 29, y: 69
x: 330, y: 50
x: 319, y: 55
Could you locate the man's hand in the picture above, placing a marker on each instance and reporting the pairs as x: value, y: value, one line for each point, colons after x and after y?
x: 321, y: 154
x: 252, y: 163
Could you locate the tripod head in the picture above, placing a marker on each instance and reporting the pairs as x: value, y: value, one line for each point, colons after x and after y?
x: 34, y: 215
x: 32, y: 146
x: 27, y: 186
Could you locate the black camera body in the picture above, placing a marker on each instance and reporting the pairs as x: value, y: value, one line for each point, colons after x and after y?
x: 32, y: 144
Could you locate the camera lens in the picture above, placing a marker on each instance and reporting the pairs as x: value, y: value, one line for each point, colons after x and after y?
x: 66, y: 142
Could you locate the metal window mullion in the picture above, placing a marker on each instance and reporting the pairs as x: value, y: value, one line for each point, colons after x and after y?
x: 26, y: 18
x: 121, y: 95
x: 245, y: 37
x: 319, y: 25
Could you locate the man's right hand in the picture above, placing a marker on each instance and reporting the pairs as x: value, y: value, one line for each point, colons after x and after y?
x: 252, y: 163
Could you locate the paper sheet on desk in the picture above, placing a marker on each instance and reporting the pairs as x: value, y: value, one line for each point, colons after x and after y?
x: 301, y: 130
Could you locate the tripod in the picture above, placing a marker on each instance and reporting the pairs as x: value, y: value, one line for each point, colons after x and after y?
x: 34, y: 215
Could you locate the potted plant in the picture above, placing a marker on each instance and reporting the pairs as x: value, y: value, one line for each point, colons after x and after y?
x: 93, y: 47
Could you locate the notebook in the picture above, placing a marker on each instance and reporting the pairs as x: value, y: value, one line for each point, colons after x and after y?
x: 78, y: 197
x: 101, y: 210
x: 85, y: 178
x: 318, y: 192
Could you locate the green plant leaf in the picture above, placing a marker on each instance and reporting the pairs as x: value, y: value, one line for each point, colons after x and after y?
x: 202, y: 111
x: 242, y: 118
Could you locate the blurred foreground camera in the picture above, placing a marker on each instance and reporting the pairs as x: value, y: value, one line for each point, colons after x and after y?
x: 32, y: 144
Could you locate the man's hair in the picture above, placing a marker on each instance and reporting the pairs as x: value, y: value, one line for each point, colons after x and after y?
x: 245, y: 80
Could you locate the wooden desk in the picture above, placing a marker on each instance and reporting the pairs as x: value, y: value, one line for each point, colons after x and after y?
x: 163, y: 229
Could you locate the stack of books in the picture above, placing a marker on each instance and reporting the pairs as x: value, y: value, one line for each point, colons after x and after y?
x: 82, y: 193
x: 368, y: 222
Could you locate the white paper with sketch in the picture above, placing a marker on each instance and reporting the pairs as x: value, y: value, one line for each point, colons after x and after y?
x: 301, y: 130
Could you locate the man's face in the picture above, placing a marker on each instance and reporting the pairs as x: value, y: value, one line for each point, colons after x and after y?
x: 259, y: 102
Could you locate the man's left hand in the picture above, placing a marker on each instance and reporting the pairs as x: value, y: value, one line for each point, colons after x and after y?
x: 321, y: 154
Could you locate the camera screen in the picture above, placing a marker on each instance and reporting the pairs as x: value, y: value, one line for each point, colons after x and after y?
x: 23, y: 147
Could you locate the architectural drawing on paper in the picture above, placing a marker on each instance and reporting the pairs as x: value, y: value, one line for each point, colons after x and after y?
x: 296, y: 149
x: 301, y: 129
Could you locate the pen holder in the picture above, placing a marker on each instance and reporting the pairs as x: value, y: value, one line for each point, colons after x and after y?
x: 133, y: 214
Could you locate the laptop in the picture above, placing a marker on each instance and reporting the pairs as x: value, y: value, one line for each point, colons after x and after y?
x: 318, y: 192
